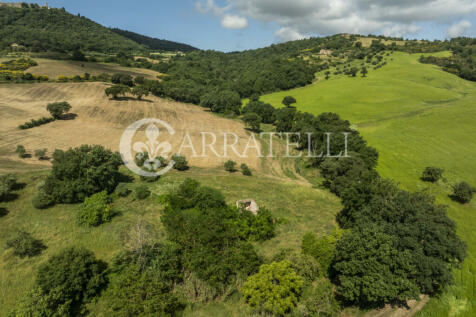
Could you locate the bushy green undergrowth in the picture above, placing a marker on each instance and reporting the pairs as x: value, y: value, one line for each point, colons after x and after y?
x: 295, y: 207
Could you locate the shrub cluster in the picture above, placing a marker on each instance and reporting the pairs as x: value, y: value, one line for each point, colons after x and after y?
x: 230, y: 166
x: 18, y: 64
x: 275, y: 289
x: 463, y: 192
x: 42, y: 200
x: 245, y: 170
x: 35, y: 123
x: 125, y: 84
x: 95, y: 210
x: 322, y: 249
x: 142, y: 281
x: 181, y: 163
x: 142, y: 192
x: 64, y: 284
x: 86, y: 77
x: 24, y: 245
x: 259, y: 227
x: 122, y: 190
x: 57, y: 109
x: 21, y: 151
x: 431, y: 174
x: 13, y: 71
x: 7, y: 185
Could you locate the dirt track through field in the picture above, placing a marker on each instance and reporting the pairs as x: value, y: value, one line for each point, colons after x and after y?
x: 413, y: 307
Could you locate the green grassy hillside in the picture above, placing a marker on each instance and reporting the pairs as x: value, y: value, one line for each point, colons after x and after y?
x: 300, y: 209
x: 416, y: 116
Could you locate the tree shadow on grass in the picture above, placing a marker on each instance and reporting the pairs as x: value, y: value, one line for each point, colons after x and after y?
x: 122, y: 98
x: 377, y: 305
x: 3, y: 212
x: 9, y: 197
x: 18, y: 186
x: 130, y: 99
x: 69, y: 116
x: 253, y: 130
x: 116, y: 212
x: 457, y: 199
x: 123, y: 178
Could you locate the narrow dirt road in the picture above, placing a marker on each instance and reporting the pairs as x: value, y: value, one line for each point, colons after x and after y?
x: 389, y: 311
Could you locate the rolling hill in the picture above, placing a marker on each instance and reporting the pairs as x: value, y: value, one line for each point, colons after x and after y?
x: 154, y: 43
x: 50, y: 29
x: 101, y: 120
x: 300, y: 207
x: 415, y: 115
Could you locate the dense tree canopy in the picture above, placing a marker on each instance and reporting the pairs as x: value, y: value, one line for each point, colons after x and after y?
x: 95, y: 210
x: 142, y: 279
x: 225, y: 101
x: 400, y: 244
x: 371, y: 270
x: 264, y: 110
x: 80, y: 172
x: 415, y: 224
x: 275, y: 289
x: 116, y: 90
x: 57, y: 109
x: 200, y: 73
x: 198, y: 219
x: 153, y: 43
x: 42, y: 29
x: 64, y: 284
x: 252, y: 121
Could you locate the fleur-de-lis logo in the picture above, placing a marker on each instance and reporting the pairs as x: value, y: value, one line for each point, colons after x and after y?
x: 153, y: 148
x: 152, y: 152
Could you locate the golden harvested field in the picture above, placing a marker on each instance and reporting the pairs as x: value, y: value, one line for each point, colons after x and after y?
x: 54, y: 68
x: 367, y: 41
x: 102, y: 121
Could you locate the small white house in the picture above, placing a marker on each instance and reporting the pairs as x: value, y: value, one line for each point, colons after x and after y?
x: 249, y: 205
